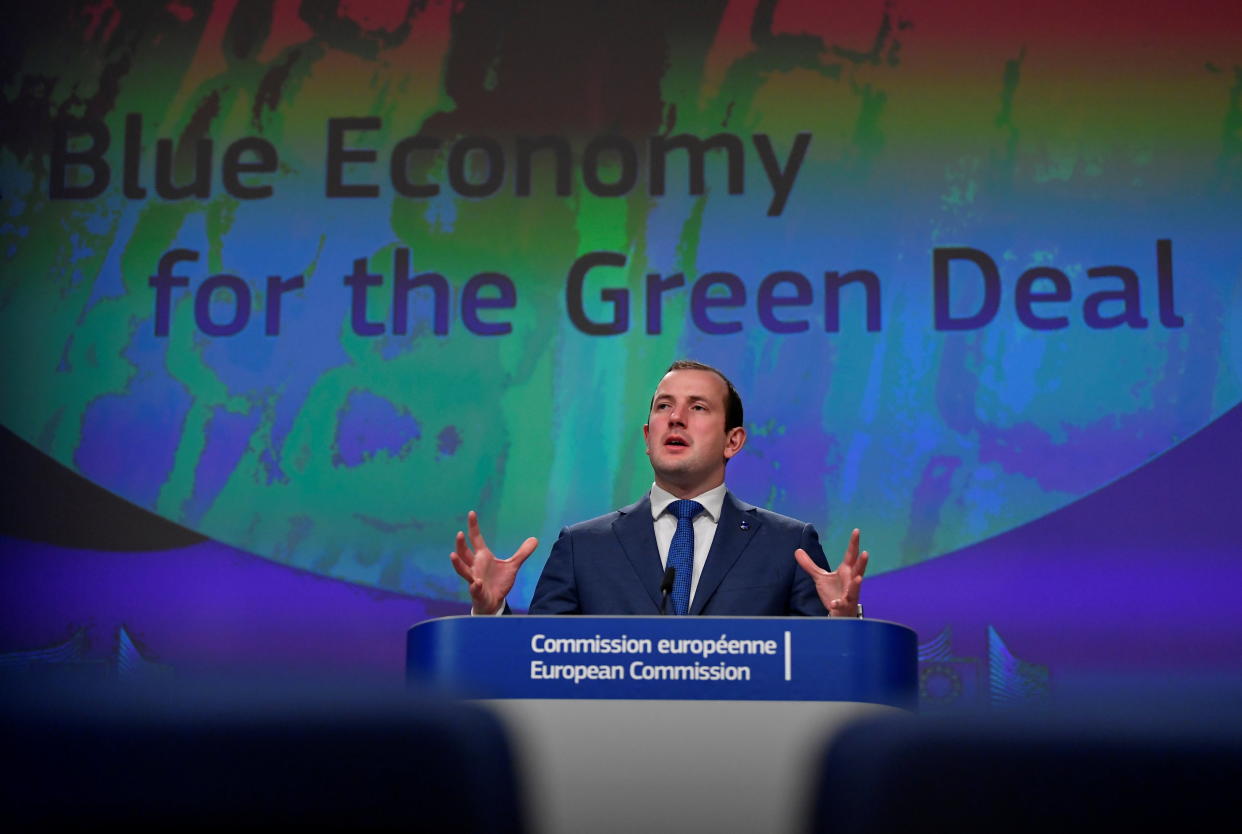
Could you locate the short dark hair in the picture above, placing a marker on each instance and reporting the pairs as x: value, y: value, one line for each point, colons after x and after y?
x: 734, y: 415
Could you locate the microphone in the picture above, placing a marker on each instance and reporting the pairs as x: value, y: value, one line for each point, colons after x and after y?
x: 666, y: 585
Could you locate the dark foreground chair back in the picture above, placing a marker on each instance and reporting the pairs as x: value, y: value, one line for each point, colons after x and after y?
x: 176, y: 758
x: 1126, y: 772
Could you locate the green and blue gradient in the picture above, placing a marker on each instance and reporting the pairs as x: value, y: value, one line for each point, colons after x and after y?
x: 1065, y: 134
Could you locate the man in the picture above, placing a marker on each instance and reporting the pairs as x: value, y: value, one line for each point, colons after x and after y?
x: 728, y: 558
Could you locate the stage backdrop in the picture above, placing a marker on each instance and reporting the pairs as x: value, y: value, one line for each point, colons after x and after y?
x: 312, y: 279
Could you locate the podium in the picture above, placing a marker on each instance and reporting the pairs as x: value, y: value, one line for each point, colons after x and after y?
x: 669, y: 723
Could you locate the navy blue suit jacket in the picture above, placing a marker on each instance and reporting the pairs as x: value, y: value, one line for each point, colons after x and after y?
x: 611, y: 565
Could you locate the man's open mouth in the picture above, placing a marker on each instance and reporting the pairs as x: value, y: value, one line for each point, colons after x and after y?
x: 675, y: 441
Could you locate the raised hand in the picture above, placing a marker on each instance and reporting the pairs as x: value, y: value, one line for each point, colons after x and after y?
x: 838, y: 590
x: 490, y: 579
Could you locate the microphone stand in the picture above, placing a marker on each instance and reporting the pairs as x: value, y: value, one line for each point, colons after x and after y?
x: 666, y: 586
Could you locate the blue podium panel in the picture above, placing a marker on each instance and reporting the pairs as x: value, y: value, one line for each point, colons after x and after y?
x: 668, y: 658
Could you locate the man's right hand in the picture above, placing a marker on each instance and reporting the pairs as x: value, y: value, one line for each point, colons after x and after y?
x: 490, y: 579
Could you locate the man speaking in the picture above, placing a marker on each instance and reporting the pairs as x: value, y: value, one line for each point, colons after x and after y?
x: 726, y: 557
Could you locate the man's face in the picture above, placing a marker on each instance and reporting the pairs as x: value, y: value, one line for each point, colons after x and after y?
x: 685, y: 432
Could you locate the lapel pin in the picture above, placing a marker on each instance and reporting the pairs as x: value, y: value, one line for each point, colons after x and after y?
x: 745, y: 525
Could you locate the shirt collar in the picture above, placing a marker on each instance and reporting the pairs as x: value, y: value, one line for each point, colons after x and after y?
x: 712, y: 501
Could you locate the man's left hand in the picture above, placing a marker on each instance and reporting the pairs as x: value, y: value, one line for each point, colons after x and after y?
x: 838, y: 590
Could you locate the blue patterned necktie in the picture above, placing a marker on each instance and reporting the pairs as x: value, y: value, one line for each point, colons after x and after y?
x: 681, y: 552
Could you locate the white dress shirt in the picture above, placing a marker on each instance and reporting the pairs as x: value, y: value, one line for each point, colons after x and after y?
x: 704, y: 527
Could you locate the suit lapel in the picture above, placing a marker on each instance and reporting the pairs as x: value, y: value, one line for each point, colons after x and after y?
x: 730, y: 540
x: 636, y: 534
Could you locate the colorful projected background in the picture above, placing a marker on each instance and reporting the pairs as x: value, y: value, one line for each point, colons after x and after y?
x: 312, y: 279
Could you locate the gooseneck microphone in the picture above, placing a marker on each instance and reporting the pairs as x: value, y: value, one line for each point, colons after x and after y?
x: 666, y: 586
